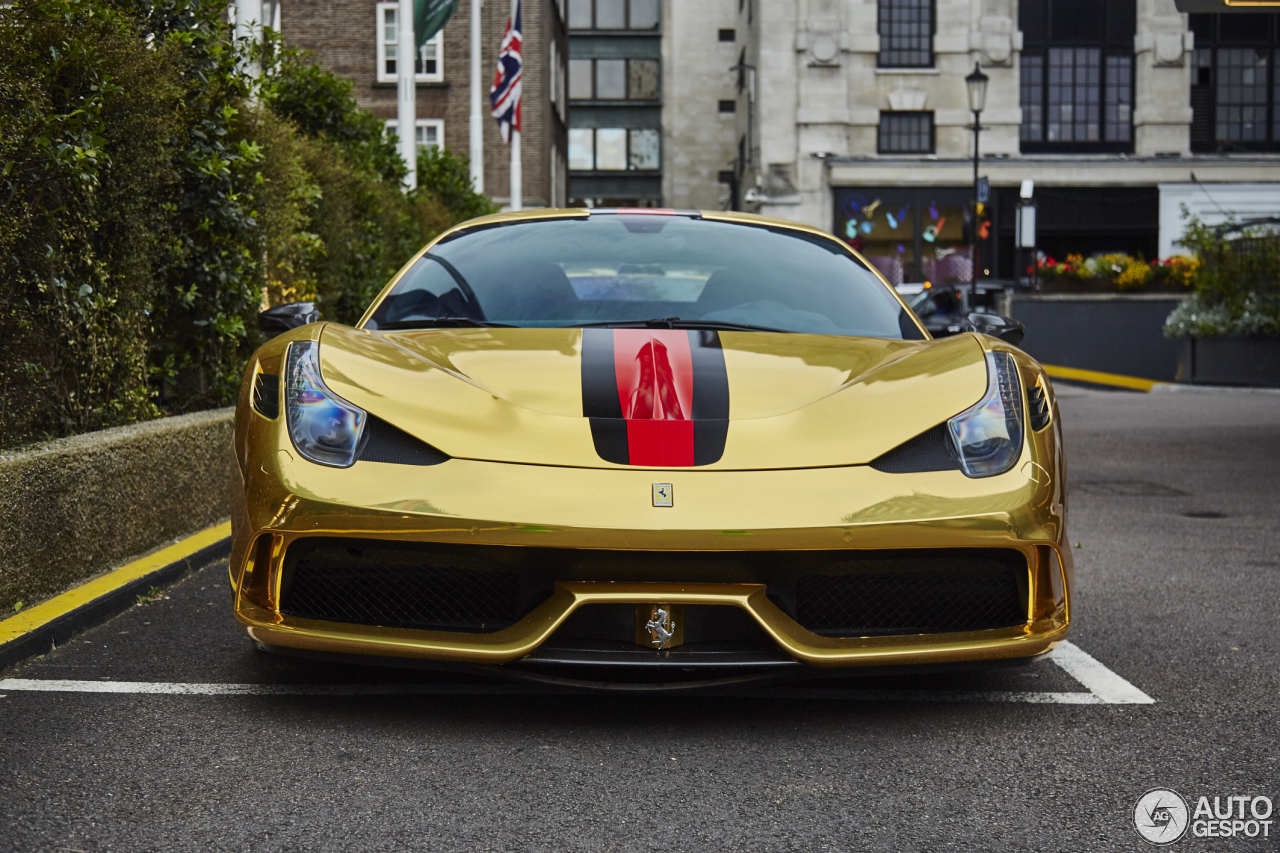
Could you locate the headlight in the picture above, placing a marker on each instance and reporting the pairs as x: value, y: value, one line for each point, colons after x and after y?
x: 988, y: 436
x: 324, y: 427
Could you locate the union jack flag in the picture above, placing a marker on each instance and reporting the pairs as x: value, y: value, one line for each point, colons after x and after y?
x: 504, y: 93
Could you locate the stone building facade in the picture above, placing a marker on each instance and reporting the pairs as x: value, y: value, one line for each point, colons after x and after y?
x: 852, y: 115
x: 355, y: 39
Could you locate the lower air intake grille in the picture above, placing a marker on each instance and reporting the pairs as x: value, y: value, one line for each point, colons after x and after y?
x: 408, y: 587
x: 913, y: 595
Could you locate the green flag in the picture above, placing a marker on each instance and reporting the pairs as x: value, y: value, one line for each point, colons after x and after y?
x: 429, y: 17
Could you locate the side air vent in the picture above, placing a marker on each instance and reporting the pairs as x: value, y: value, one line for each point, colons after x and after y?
x: 928, y: 451
x: 1038, y: 403
x: 266, y: 395
x: 382, y: 442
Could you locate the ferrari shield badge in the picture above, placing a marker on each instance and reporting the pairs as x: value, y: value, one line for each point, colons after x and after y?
x: 661, y: 626
x: 663, y: 494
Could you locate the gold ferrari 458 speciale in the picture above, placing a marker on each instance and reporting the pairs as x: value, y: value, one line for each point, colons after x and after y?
x: 691, y: 445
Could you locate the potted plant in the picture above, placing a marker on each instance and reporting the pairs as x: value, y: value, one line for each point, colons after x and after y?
x: 1230, y: 324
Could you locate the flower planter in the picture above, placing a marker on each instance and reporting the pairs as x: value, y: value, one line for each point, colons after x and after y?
x: 1058, y: 284
x: 1230, y: 360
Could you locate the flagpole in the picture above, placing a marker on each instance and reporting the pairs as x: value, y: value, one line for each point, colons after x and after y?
x: 517, y: 200
x: 477, y: 123
x: 249, y: 26
x: 406, y: 92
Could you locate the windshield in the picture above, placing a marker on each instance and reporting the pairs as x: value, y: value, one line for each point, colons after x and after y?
x: 643, y: 269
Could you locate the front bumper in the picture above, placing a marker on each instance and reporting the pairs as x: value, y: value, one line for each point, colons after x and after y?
x: 521, y: 639
x: 465, y: 502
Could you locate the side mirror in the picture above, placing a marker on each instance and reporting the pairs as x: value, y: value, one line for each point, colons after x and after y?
x: 998, y: 326
x: 291, y: 315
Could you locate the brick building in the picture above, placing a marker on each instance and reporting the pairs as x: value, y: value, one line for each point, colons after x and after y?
x: 357, y: 40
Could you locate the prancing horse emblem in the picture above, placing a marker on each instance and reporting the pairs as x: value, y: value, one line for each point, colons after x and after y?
x: 661, y: 627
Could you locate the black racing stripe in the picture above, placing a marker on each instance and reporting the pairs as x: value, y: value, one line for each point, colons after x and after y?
x: 710, y: 396
x: 610, y: 437
x: 599, y: 382
x: 600, y: 401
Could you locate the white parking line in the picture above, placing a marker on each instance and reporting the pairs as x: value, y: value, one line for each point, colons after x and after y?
x: 1110, y: 688
x: 1104, y: 687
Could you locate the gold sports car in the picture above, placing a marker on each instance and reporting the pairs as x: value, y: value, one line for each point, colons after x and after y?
x: 694, y: 446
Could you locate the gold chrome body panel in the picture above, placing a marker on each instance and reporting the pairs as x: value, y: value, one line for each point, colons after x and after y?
x: 809, y: 413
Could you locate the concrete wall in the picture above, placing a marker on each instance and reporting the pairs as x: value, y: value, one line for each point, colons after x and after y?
x: 698, y: 141
x: 820, y: 92
x: 1113, y: 334
x: 75, y: 507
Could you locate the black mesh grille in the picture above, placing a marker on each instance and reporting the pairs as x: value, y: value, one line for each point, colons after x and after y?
x: 410, y: 586
x: 481, y: 588
x: 1038, y: 403
x: 925, y: 594
x: 266, y: 395
x: 382, y: 442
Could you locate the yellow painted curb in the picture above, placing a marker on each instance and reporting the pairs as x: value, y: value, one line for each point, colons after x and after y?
x: 47, y: 611
x: 1097, y: 377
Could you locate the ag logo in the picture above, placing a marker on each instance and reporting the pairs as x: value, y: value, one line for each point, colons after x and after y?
x: 1160, y: 816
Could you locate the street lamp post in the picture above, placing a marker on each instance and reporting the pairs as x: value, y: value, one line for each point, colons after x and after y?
x: 976, y: 83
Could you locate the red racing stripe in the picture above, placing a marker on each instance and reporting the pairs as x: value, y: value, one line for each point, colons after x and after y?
x: 654, y: 373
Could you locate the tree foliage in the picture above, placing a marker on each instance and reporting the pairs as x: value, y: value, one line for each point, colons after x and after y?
x: 152, y: 196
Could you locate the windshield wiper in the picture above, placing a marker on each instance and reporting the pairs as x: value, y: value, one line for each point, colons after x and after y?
x: 677, y: 323
x: 441, y: 322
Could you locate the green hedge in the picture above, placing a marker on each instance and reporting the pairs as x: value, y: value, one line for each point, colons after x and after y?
x: 1236, y: 287
x: 153, y: 197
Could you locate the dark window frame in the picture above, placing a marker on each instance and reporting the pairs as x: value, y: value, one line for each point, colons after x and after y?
x: 889, y: 12
x: 884, y: 133
x: 1108, y: 47
x: 626, y: 18
x: 626, y: 157
x: 1208, y: 39
x: 626, y: 79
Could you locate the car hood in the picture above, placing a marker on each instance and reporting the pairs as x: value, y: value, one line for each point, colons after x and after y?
x: 546, y: 396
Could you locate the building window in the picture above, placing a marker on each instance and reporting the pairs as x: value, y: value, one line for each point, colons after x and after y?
x: 727, y: 35
x: 906, y: 33
x: 614, y: 79
x: 611, y: 149
x: 905, y: 133
x: 427, y: 132
x: 1076, y: 86
x: 728, y: 106
x: 1234, y: 83
x: 430, y: 65
x: 614, y: 14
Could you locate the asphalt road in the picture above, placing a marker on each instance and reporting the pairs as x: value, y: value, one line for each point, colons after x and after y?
x: 1174, y: 502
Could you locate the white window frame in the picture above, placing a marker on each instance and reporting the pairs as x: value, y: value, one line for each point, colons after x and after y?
x: 422, y: 124
x: 379, y: 29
